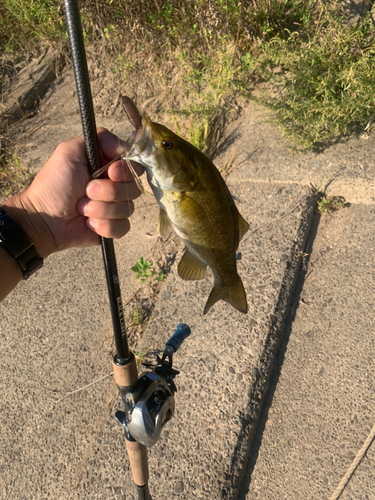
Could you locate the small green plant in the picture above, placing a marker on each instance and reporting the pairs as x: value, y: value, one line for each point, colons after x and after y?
x: 195, y: 133
x: 13, y: 176
x: 326, y: 204
x: 137, y: 319
x: 143, y: 270
x: 332, y: 204
x: 160, y: 277
x: 302, y: 255
x: 323, y: 205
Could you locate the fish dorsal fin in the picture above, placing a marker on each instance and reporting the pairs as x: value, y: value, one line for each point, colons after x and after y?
x: 165, y: 225
x: 234, y: 295
x: 243, y: 226
x: 190, y: 268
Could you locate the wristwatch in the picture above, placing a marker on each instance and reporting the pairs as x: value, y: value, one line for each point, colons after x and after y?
x: 16, y: 242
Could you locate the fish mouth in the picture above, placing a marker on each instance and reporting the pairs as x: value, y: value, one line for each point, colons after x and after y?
x: 141, y: 145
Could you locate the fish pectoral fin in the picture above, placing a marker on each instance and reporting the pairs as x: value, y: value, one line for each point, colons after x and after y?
x: 165, y: 226
x: 190, y: 268
x: 243, y: 226
x: 234, y: 295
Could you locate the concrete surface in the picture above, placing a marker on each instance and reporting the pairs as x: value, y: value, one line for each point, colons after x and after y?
x: 221, y: 363
x: 56, y: 331
x: 321, y: 405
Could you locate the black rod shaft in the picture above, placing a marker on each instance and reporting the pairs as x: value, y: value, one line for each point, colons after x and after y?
x: 81, y: 73
x: 143, y: 492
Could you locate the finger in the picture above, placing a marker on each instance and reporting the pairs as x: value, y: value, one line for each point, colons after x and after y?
x: 110, y: 144
x: 109, y: 228
x: 109, y: 191
x: 102, y: 210
x: 120, y: 171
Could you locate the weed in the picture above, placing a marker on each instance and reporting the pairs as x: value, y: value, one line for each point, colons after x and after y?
x: 319, y: 186
x: 143, y: 270
x: 325, y: 79
x: 326, y: 204
x: 195, y: 133
x: 137, y: 319
x: 323, y: 205
x: 228, y: 168
x: 302, y: 255
x: 32, y: 21
x: 332, y: 204
x: 160, y: 277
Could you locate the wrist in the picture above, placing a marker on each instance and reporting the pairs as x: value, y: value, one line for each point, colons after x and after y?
x: 23, y: 212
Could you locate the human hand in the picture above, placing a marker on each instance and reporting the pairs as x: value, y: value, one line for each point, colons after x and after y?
x: 62, y: 208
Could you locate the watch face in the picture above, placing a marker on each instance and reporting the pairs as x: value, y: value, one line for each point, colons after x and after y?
x: 12, y: 236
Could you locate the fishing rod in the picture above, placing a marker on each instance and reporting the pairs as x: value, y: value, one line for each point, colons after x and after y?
x: 148, y: 399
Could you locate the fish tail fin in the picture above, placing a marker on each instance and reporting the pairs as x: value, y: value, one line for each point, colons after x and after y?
x: 234, y: 295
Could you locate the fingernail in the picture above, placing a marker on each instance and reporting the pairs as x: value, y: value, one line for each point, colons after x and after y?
x: 83, y: 207
x: 91, y: 223
x: 117, y: 173
x: 93, y: 189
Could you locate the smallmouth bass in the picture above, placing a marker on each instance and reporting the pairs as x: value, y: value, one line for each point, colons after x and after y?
x: 196, y: 203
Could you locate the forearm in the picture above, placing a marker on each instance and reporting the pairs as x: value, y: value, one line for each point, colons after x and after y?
x: 10, y: 273
x: 23, y: 214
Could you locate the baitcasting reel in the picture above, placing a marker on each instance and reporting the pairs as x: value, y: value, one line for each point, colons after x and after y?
x: 151, y: 404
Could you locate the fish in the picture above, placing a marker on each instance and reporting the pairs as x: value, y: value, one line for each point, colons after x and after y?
x: 196, y: 203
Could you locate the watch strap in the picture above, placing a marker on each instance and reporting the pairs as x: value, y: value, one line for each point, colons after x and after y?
x: 17, y: 243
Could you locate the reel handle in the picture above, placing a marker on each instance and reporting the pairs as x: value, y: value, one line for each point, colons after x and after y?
x: 182, y: 332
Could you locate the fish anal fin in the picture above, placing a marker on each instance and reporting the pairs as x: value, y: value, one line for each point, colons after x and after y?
x: 234, y: 295
x: 165, y: 226
x: 243, y: 226
x: 190, y: 268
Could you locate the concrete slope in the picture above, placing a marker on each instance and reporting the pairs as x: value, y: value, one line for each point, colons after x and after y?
x: 224, y: 364
x: 56, y: 328
x: 322, y: 408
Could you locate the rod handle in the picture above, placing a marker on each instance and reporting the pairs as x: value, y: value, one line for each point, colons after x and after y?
x: 137, y: 453
x: 181, y: 333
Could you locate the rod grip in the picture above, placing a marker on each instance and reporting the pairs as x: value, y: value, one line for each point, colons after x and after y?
x: 181, y: 333
x: 138, y: 462
x: 125, y: 375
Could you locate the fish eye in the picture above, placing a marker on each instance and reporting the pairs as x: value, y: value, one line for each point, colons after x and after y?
x: 167, y: 144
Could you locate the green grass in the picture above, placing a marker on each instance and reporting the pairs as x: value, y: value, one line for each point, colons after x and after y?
x: 23, y: 24
x: 316, y: 71
x: 325, y: 82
